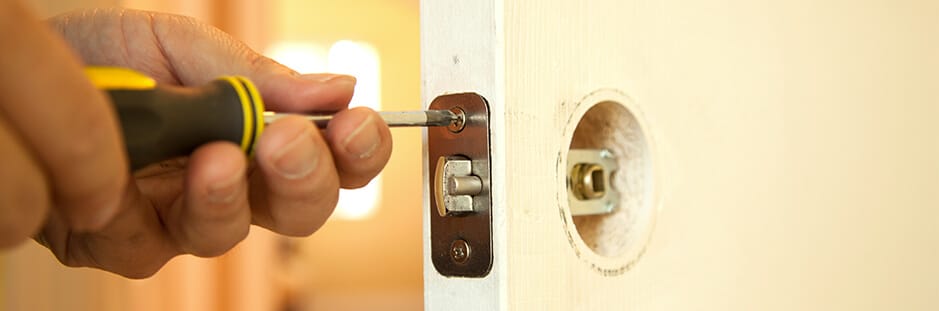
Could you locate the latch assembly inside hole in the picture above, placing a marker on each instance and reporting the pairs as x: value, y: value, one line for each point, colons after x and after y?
x: 460, y: 202
x: 589, y: 181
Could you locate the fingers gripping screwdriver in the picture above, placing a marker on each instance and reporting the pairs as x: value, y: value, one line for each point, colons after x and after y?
x: 160, y: 122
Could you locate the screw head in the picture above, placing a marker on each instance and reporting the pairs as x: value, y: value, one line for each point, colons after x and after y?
x: 457, y: 126
x: 459, y: 251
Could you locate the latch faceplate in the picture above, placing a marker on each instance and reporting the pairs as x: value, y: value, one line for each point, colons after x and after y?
x: 460, y: 203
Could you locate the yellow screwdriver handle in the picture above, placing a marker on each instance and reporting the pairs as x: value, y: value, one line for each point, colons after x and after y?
x: 160, y: 122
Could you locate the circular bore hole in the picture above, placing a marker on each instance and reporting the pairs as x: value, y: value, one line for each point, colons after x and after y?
x: 610, y: 125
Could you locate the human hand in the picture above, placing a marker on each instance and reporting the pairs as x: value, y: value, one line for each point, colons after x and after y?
x: 71, y: 161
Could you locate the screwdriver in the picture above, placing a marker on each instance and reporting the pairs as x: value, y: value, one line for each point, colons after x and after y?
x: 160, y: 122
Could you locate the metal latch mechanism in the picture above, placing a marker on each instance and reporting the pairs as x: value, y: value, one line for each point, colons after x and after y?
x: 589, y: 181
x: 460, y: 203
x: 455, y: 185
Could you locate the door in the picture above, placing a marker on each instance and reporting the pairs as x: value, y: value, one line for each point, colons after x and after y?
x: 769, y: 155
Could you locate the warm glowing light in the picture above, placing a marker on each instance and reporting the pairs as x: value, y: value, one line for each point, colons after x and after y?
x: 300, y: 56
x: 357, y: 59
x: 359, y: 203
x: 361, y: 61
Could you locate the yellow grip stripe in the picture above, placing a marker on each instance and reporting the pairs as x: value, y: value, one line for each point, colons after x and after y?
x: 252, y: 110
x: 245, y: 101
x: 117, y: 78
x: 258, y: 111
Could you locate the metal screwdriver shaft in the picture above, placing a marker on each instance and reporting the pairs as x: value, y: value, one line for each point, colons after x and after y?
x: 392, y: 118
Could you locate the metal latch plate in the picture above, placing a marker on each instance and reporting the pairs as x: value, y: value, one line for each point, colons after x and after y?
x: 461, y: 243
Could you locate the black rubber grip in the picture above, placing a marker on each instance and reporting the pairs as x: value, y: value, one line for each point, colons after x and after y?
x: 167, y: 122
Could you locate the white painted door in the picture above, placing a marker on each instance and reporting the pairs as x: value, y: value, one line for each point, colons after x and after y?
x: 775, y: 155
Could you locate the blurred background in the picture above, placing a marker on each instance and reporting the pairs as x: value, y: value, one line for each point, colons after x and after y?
x: 367, y: 257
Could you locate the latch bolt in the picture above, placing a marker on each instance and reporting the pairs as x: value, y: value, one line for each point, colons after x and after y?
x: 455, y: 185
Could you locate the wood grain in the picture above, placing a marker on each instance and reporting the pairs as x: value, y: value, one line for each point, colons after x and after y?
x: 794, y: 141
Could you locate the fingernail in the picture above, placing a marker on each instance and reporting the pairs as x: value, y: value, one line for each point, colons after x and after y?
x: 298, y: 158
x: 364, y: 140
x: 329, y: 78
x: 225, y: 191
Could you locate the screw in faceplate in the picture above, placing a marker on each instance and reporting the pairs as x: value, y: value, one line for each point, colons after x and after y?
x: 459, y: 251
x: 460, y: 122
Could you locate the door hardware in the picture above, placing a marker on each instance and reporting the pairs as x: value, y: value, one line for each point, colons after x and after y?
x: 589, y: 181
x: 460, y: 202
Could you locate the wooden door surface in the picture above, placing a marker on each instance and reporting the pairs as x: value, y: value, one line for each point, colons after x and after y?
x: 774, y: 155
